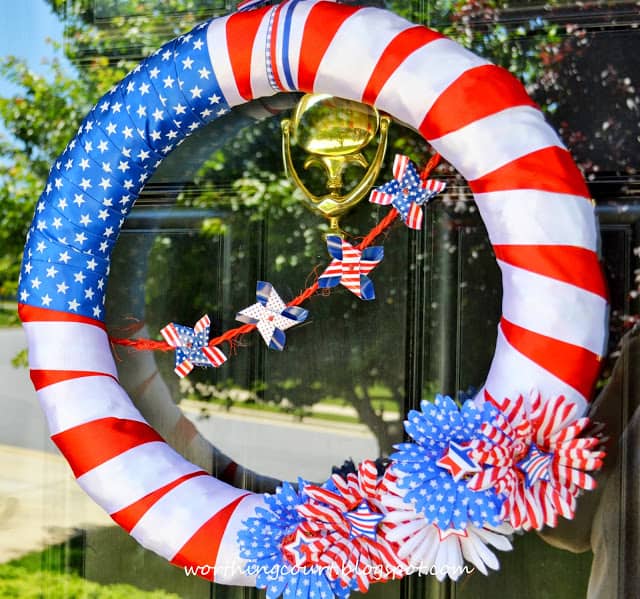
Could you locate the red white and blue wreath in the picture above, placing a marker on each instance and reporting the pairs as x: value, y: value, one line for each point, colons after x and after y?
x: 468, y: 475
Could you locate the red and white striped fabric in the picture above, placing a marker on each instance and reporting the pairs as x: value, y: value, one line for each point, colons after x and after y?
x: 532, y: 198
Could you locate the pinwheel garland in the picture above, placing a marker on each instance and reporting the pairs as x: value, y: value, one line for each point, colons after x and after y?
x: 407, y: 192
x: 432, y: 469
x: 271, y: 315
x: 192, y: 347
x: 350, y: 267
x: 532, y: 455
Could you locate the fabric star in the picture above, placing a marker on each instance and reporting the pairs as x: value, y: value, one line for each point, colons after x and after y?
x: 271, y: 315
x: 407, y: 192
x: 350, y: 267
x: 192, y: 347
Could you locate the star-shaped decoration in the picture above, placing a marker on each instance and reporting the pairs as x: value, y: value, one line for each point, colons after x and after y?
x: 535, y: 466
x: 271, y: 315
x: 192, y: 346
x: 350, y: 267
x: 364, y: 521
x: 407, y: 192
x: 458, y: 461
x: 295, y: 548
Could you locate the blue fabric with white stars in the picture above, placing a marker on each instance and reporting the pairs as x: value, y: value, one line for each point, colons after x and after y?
x: 431, y: 488
x: 261, y: 539
x: 96, y: 180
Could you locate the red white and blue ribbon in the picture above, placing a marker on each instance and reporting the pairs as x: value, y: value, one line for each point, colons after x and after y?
x: 531, y: 196
x: 407, y: 192
x: 271, y: 315
x: 350, y: 267
x: 192, y: 346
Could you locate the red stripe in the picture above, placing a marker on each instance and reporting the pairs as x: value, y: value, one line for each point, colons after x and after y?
x: 322, y: 24
x: 576, y: 366
x: 549, y: 169
x: 44, y: 378
x: 404, y: 44
x: 202, y: 548
x: 88, y: 445
x: 570, y: 264
x: 29, y: 313
x: 477, y: 93
x: 241, y: 33
x: 129, y: 516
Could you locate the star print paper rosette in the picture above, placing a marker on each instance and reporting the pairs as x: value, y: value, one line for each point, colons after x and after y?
x: 469, y: 476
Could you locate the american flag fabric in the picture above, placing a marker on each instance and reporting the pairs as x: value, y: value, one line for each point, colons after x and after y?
x: 407, y: 192
x: 192, y: 346
x: 271, y: 315
x: 530, y: 194
x: 350, y: 267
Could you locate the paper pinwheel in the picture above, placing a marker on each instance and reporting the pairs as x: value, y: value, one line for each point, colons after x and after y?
x: 271, y: 315
x: 407, y: 192
x: 192, y: 347
x: 350, y: 267
x: 432, y: 471
x: 532, y: 454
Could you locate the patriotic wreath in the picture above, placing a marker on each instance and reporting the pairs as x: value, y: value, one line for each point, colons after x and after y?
x: 468, y: 475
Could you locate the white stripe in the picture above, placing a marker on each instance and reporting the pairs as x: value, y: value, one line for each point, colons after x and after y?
x: 532, y: 217
x: 260, y: 85
x: 125, y: 479
x: 298, y: 20
x: 512, y: 374
x: 69, y: 346
x: 496, y: 140
x: 553, y: 308
x: 221, y: 62
x: 418, y: 82
x: 78, y: 401
x: 229, y: 565
x: 353, y: 54
x: 167, y: 526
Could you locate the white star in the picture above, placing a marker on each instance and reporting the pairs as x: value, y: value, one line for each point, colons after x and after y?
x: 73, y: 305
x: 103, y: 146
x: 80, y: 238
x: 155, y: 135
x: 41, y: 206
x: 41, y: 247
x: 96, y: 311
x: 24, y: 295
x: 168, y: 81
x: 57, y: 223
x: 64, y: 257
x: 127, y: 132
x: 88, y: 293
x: 35, y: 283
x: 108, y: 232
x: 172, y: 134
x: 88, y: 146
x: 52, y: 271
x: 88, y: 126
x: 27, y: 268
x: 143, y: 155
x: 105, y: 183
x: 42, y: 225
x: 58, y: 183
x: 123, y: 166
x: 68, y: 164
x: 116, y: 107
x: 180, y: 109
x: 197, y: 45
x: 107, y: 202
x: 142, y: 111
x: 187, y: 63
x: 128, y: 184
x: 166, y: 55
x: 84, y: 164
x: 130, y: 86
x: 104, y: 246
x: 126, y: 152
x: 106, y: 167
x: 206, y: 113
x: 79, y: 277
x: 154, y: 72
x: 104, y: 106
x: 46, y: 300
x: 157, y: 114
x: 111, y: 128
x: 204, y: 73
x: 85, y: 220
x: 144, y: 88
x: 103, y: 214
x: 78, y: 199
x: 62, y: 287
x: 91, y: 264
x: 214, y: 99
x: 221, y: 112
x: 196, y: 92
x: 85, y: 184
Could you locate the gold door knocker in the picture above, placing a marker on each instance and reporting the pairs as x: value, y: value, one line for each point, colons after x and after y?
x: 334, y: 131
